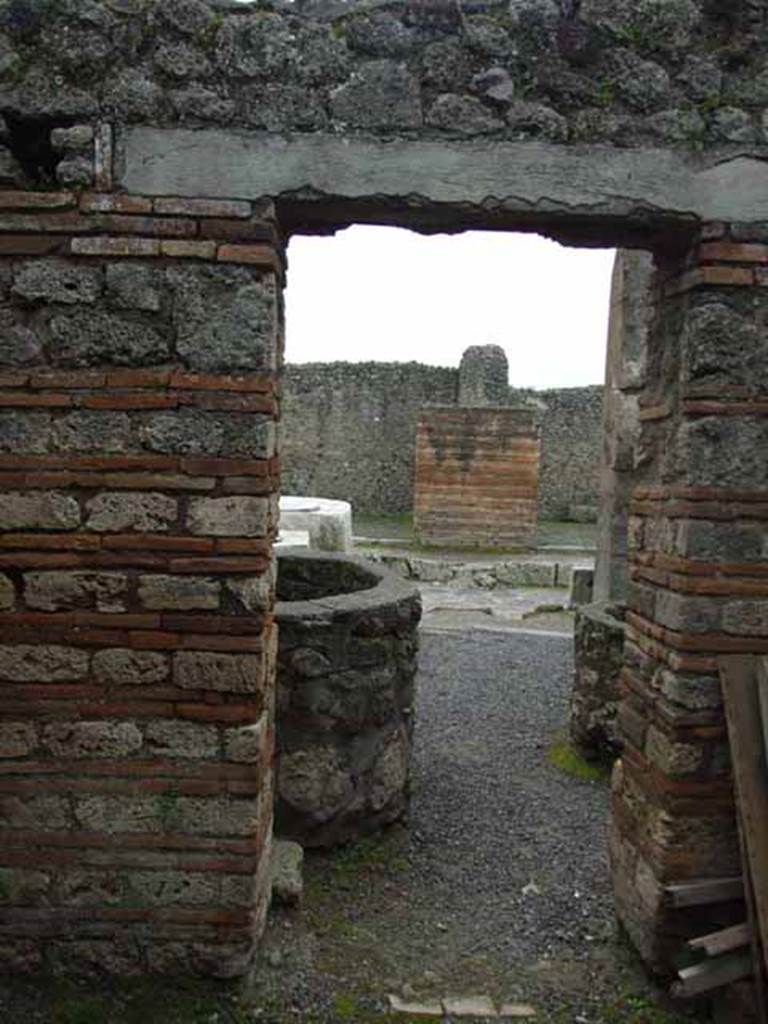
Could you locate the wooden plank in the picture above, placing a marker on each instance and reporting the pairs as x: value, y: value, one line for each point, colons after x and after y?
x: 702, y: 891
x: 723, y: 941
x: 709, y: 974
x: 750, y: 772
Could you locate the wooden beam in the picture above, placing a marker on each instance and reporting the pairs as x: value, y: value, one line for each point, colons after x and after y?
x: 723, y: 941
x: 702, y: 891
x: 709, y: 974
x: 743, y: 708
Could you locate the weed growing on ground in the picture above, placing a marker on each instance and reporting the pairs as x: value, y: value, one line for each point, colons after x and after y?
x: 565, y: 757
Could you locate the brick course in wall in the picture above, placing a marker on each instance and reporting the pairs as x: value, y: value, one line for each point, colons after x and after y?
x: 477, y: 477
x: 138, y: 484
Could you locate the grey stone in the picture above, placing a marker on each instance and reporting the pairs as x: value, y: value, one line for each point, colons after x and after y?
x: 701, y: 77
x: 251, y: 592
x: 714, y: 452
x: 25, y: 432
x: 133, y: 96
x: 228, y: 517
x: 17, y: 739
x: 225, y: 318
x: 463, y: 115
x: 495, y: 84
x: 191, y: 17
x: 121, y: 511
x: 92, y: 431
x: 279, y: 105
x: 19, y: 346
x: 256, y: 46
x: 194, y: 432
x: 7, y: 593
x: 10, y: 61
x: 389, y: 775
x: 445, y: 65
x: 487, y: 37
x: 722, y: 346
x: 286, y: 867
x: 42, y: 663
x: 77, y: 138
x: 746, y: 618
x: 314, y: 782
x: 57, y: 591
x: 678, y: 125
x: 133, y: 286
x: 181, y: 739
x: 528, y: 174
x: 581, y: 587
x: 380, y: 94
x: 122, y: 667
x: 642, y: 84
x: 245, y: 743
x: 11, y: 171
x: 56, y: 280
x: 197, y: 103
x: 178, y: 592
x: 664, y: 25
x: 39, y: 95
x: 75, y: 172
x: 97, y: 339
x: 381, y: 34
x: 38, y: 510
x: 225, y: 673
x: 733, y: 125
x: 181, y: 61
x: 92, y: 739
x: 536, y: 121
x: 324, y: 57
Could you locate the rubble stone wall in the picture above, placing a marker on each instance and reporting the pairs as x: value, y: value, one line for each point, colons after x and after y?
x: 349, y: 431
x: 138, y: 479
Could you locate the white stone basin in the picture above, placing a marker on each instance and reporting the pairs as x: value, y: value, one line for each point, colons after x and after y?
x: 327, y: 521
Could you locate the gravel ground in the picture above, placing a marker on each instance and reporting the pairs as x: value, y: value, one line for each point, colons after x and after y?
x: 498, y: 886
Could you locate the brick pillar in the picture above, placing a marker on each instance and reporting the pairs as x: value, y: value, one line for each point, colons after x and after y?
x: 699, y: 585
x: 138, y: 487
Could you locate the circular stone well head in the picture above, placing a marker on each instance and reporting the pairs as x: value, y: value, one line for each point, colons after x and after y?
x: 347, y: 645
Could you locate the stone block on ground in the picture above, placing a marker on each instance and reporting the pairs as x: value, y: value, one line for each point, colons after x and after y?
x: 286, y: 871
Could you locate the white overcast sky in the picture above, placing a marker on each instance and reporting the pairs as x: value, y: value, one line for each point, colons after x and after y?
x: 389, y: 295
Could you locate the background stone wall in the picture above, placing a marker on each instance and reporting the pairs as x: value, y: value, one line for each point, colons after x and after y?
x: 349, y: 431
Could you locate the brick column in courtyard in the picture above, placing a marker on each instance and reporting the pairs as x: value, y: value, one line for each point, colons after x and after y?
x: 698, y: 584
x: 138, y: 490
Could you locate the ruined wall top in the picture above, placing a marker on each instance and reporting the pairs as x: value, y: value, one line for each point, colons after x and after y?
x: 625, y: 72
x: 484, y: 376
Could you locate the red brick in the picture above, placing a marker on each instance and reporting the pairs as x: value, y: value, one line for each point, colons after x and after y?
x: 188, y: 250
x: 132, y: 401
x: 203, y: 207
x: 234, y: 714
x: 232, y: 402
x: 244, y: 546
x: 17, y: 200
x: 737, y: 276
x: 67, y: 379
x: 167, y: 227
x: 221, y: 382
x: 218, y: 624
x: 100, y: 202
x: 138, y: 378
x: 225, y: 467
x: 219, y: 565
x: 263, y: 256
x: 50, y: 541
x: 734, y: 252
x: 154, y: 640
x: 91, y: 462
x: 248, y: 485
x: 230, y: 230
x: 104, y: 245
x: 28, y: 245
x: 157, y: 542
x: 213, y: 642
x: 26, y: 398
x: 13, y: 379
